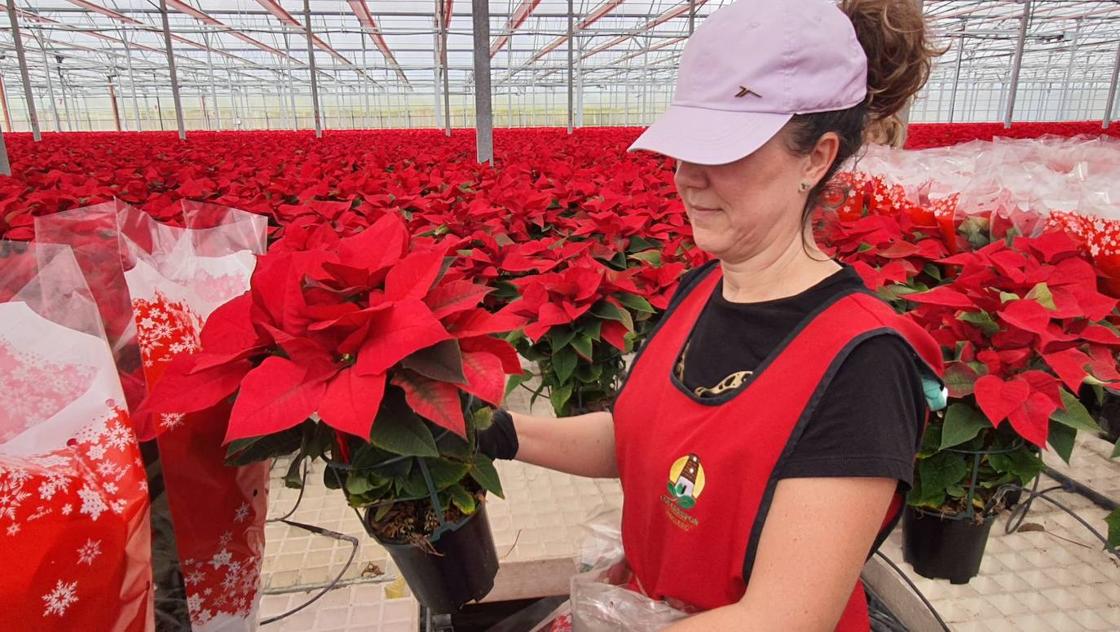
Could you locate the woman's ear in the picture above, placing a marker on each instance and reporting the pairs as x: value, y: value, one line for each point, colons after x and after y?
x: 821, y: 157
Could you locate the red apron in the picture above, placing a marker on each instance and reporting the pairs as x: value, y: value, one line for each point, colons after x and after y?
x: 697, y: 476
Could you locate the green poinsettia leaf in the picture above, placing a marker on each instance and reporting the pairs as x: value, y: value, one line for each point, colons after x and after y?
x: 687, y: 502
x: 1041, y: 293
x: 962, y: 423
x: 446, y: 473
x: 483, y: 472
x: 404, y: 434
x: 635, y: 302
x: 564, y: 364
x: 442, y: 362
x: 583, y: 346
x: 560, y: 337
x: 1061, y: 438
x: 559, y: 398
x: 1074, y: 414
x: 462, y: 499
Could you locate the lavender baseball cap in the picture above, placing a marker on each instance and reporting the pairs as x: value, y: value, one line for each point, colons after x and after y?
x: 748, y: 69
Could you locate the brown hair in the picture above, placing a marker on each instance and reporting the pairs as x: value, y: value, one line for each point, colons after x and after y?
x: 899, y: 57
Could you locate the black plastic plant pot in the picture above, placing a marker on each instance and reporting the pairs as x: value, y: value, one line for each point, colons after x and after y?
x: 461, y: 570
x: 944, y: 547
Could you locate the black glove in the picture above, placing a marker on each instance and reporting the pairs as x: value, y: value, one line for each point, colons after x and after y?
x: 499, y: 441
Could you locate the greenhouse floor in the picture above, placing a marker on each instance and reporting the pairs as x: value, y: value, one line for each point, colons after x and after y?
x: 1050, y: 576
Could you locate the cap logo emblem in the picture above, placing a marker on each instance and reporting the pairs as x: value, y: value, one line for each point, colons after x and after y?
x: 744, y: 91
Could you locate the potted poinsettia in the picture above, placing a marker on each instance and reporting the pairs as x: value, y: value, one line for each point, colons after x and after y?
x: 370, y: 353
x: 581, y: 324
x: 1024, y: 332
x: 1024, y: 329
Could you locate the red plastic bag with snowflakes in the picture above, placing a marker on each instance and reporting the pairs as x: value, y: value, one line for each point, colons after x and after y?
x: 74, y: 521
x: 176, y: 278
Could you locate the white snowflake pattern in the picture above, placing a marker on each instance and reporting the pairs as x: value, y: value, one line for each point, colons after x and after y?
x: 11, y: 496
x: 194, y: 577
x: 89, y: 551
x: 142, y: 486
x: 108, y: 469
x: 118, y: 506
x: 242, y: 513
x: 170, y: 421
x: 61, y: 598
x: 13, y: 528
x: 93, y: 503
x: 111, y: 488
x: 194, y: 602
x: 119, y: 436
x: 96, y: 452
x: 66, y: 509
x: 225, y: 539
x: 221, y: 558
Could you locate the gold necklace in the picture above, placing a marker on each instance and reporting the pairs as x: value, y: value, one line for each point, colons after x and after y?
x: 729, y: 383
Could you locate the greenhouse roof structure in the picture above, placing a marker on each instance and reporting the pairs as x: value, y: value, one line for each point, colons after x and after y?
x: 404, y: 54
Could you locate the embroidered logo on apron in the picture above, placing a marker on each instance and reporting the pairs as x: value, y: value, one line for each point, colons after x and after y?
x: 686, y: 484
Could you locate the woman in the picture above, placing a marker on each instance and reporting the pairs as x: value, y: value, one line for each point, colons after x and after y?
x: 768, y: 427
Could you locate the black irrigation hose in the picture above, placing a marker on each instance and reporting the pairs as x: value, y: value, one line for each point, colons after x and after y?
x: 319, y: 531
x: 1019, y: 513
x: 334, y: 583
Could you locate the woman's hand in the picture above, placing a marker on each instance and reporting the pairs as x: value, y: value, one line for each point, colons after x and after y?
x: 813, y: 546
x: 582, y: 445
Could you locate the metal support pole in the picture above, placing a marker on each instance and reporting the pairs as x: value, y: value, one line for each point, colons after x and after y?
x: 437, y: 117
x: 1017, y: 63
x: 113, y: 100
x: 62, y: 86
x: 50, y: 87
x: 691, y: 16
x: 171, y: 69
x: 233, y: 100
x: 509, y: 87
x: 483, y: 107
x: 28, y: 97
x: 291, y: 85
x: 365, y: 86
x: 4, y: 104
x: 443, y: 64
x: 213, y: 83
x: 957, y: 74
x: 5, y: 166
x: 571, y: 65
x: 1110, y: 105
x: 1064, y: 99
x: 311, y: 65
x: 131, y: 81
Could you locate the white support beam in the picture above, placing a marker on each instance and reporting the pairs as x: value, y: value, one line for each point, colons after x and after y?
x: 516, y: 19
x: 373, y: 31
x: 311, y: 62
x: 171, y: 71
x: 483, y: 96
x: 688, y: 7
x: 1017, y: 63
x: 286, y: 18
x: 29, y: 98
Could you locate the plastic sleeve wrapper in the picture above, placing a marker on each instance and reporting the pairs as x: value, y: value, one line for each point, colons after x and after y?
x: 601, y: 599
x: 176, y: 278
x: 74, y: 520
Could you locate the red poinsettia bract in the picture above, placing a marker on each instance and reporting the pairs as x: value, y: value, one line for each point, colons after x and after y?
x: 324, y: 329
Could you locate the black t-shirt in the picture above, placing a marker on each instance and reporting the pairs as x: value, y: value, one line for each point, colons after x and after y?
x: 869, y: 420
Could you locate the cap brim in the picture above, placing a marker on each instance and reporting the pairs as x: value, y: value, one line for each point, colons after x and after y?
x: 709, y: 137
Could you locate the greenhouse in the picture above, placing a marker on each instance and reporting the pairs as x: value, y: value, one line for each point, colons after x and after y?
x: 550, y: 315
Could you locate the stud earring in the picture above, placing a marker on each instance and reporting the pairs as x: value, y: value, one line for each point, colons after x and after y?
x: 804, y: 187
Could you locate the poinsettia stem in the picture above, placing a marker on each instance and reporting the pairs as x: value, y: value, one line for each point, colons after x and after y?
x: 343, y: 448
